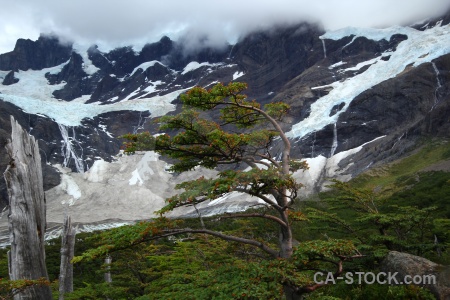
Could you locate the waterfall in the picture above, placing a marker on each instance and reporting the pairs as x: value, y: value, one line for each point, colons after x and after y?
x: 437, y: 75
x: 439, y: 85
x: 335, y: 143
x: 229, y: 55
x: 67, y: 149
x: 140, y: 124
x: 324, y: 49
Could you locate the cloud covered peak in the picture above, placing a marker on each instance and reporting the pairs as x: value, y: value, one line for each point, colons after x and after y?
x: 112, y: 23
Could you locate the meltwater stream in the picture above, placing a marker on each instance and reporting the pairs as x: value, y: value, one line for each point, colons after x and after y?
x: 68, y: 150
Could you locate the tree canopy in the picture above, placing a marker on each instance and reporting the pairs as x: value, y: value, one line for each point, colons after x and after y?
x: 235, y: 138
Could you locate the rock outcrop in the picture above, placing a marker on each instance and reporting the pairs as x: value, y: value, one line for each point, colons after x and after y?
x: 46, y: 52
x: 416, y: 267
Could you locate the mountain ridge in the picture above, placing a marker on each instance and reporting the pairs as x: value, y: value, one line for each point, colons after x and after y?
x: 298, y: 64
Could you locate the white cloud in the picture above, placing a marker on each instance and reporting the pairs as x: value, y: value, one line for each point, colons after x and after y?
x: 112, y: 22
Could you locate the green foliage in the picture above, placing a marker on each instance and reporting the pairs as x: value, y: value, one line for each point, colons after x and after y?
x: 143, y: 141
x: 204, y: 269
x: 355, y: 220
x: 200, y: 267
x: 376, y: 224
x: 426, y: 189
x: 390, y: 178
x: 10, y: 288
x: 235, y: 107
x: 254, y: 182
x: 4, y: 263
x: 202, y: 142
x: 318, y: 250
x: 125, y: 237
x: 371, y: 292
x: 277, y: 110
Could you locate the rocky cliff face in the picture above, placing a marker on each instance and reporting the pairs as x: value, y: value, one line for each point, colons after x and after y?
x: 46, y: 52
x: 377, y: 90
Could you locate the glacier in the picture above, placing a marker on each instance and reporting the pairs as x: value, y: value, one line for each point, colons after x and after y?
x: 420, y: 47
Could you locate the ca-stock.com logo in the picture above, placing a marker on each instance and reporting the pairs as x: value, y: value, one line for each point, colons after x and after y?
x: 372, y: 278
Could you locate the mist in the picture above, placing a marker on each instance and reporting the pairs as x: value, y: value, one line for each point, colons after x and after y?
x: 112, y: 23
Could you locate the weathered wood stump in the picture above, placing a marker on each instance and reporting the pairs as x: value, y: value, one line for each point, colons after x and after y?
x: 67, y: 253
x: 27, y: 215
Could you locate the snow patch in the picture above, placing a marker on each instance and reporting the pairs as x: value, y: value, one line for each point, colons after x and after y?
x: 337, y: 64
x: 152, y: 87
x: 97, y: 172
x: 420, y: 47
x: 35, y: 99
x: 237, y: 74
x: 322, y: 168
x: 322, y: 86
x: 193, y: 65
x: 88, y: 67
x: 313, y: 174
x: 145, y: 66
x: 103, y: 127
x: 143, y: 170
x: 374, y: 34
x: 69, y: 186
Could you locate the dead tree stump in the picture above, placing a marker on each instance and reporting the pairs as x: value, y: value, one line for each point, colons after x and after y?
x: 67, y: 253
x: 27, y: 215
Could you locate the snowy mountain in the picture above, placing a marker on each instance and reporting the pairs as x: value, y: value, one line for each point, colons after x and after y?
x: 359, y: 98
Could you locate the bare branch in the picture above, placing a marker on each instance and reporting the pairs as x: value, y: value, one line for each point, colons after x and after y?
x: 273, y: 161
x: 255, y: 215
x: 246, y: 158
x: 262, y: 197
x: 171, y: 232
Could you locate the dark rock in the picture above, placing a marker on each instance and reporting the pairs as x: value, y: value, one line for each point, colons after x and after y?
x: 410, y: 265
x: 337, y: 108
x: 123, y: 122
x: 10, y: 79
x: 157, y: 51
x: 46, y: 52
x: 271, y: 59
x: 401, y: 110
x: 99, y: 60
x: 442, y: 20
x: 105, y: 89
x: 123, y: 60
x: 178, y: 58
x: 157, y: 72
x: 77, y: 83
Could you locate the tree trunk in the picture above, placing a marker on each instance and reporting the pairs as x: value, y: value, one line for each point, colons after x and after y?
x: 108, y: 278
x: 290, y: 294
x: 67, y: 252
x: 27, y: 219
x: 286, y: 239
x: 108, y: 261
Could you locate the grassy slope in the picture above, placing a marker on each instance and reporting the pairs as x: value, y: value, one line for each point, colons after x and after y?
x: 403, y: 173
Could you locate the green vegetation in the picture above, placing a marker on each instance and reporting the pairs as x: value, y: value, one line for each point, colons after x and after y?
x: 205, y: 267
x: 269, y: 252
x: 395, y: 176
x: 200, y: 142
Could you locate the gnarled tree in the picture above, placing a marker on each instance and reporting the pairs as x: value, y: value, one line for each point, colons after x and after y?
x: 207, y: 143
